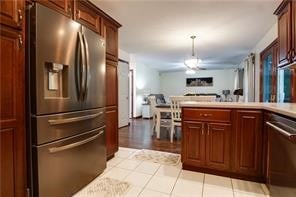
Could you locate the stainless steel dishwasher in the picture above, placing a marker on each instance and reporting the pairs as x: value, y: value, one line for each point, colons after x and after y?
x: 281, y: 159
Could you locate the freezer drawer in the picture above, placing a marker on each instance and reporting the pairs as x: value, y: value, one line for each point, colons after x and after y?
x: 48, y: 128
x: 62, y: 168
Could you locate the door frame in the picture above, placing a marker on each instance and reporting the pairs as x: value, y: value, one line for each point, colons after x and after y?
x: 131, y: 72
x: 126, y: 62
x: 273, y: 49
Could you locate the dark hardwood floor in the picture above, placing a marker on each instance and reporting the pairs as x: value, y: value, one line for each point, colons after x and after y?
x: 140, y: 135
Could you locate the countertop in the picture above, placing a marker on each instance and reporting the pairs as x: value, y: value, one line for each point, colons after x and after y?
x: 287, y: 109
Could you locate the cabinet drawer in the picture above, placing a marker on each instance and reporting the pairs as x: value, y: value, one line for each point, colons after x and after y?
x: 215, y: 115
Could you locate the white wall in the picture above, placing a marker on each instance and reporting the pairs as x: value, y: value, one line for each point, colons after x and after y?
x: 174, y: 83
x: 123, y: 55
x: 146, y: 81
x: 268, y: 38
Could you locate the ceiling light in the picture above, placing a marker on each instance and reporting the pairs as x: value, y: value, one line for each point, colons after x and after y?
x: 190, y: 72
x: 193, y: 62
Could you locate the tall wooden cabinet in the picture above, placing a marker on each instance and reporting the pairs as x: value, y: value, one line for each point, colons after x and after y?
x: 12, y: 99
x: 111, y: 108
x: 110, y: 32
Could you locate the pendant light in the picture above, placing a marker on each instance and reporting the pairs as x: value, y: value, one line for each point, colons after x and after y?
x: 192, y: 63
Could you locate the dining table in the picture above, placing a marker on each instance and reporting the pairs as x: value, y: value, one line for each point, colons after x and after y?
x: 159, y: 109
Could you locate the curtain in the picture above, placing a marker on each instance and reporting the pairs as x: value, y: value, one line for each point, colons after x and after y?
x: 249, y: 78
x: 238, y: 78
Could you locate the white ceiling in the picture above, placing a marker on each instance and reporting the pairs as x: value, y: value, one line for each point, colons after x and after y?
x: 158, y: 32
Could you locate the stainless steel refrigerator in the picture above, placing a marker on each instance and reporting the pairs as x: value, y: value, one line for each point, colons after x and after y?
x: 67, y: 103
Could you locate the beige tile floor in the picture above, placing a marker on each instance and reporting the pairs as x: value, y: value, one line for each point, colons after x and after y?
x: 152, y: 180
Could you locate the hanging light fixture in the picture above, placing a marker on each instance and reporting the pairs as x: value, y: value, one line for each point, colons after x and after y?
x: 193, y: 62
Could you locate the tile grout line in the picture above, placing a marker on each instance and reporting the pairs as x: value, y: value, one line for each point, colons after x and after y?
x: 171, y: 193
x: 232, y: 187
x: 148, y: 181
x: 203, y: 184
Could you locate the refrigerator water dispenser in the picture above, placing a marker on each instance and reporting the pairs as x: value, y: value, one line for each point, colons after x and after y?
x: 57, y: 79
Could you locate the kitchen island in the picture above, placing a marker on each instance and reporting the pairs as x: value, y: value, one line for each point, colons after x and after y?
x: 230, y: 139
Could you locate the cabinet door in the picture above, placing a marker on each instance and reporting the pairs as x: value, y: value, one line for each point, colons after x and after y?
x: 248, y: 142
x: 268, y: 72
x: 111, y: 131
x: 110, y: 32
x: 284, y: 35
x: 12, y: 101
x: 86, y: 14
x: 63, y: 6
x: 111, y: 84
x: 193, y: 144
x: 218, y: 146
x: 12, y: 13
x: 293, y: 35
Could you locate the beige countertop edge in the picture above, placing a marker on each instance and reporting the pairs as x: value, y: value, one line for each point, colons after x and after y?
x: 287, y: 109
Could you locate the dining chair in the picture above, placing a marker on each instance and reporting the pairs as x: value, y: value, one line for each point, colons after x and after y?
x: 152, y: 101
x: 163, y: 122
x: 175, y: 114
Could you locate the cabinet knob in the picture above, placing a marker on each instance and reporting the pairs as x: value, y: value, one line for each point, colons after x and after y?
x: 20, y: 39
x: 202, y: 128
x: 20, y: 15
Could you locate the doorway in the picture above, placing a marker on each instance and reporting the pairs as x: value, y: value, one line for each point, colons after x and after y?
x: 123, y: 93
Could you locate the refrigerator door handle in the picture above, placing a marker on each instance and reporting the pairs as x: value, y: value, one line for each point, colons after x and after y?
x: 80, y: 72
x: 86, y: 68
x: 75, y: 119
x: 75, y: 144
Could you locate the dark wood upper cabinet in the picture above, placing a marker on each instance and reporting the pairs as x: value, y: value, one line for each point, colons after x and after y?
x: 63, y: 6
x: 12, y: 13
x: 193, y: 151
x: 268, y: 73
x: 218, y: 146
x: 286, y: 13
x: 248, y: 142
x: 110, y: 32
x: 284, y: 35
x: 86, y: 14
x: 12, y: 102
